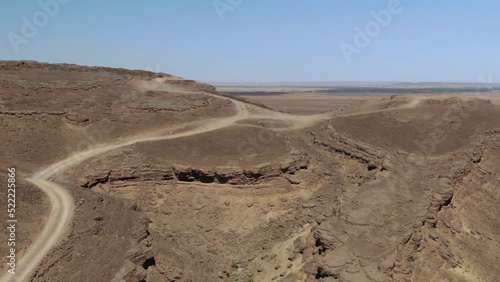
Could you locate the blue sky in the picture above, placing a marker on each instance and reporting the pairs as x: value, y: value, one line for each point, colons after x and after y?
x: 263, y: 40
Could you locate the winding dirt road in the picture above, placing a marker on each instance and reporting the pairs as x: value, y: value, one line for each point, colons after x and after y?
x: 62, y: 202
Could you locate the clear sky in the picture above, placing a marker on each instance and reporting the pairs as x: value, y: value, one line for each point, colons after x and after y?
x: 263, y: 40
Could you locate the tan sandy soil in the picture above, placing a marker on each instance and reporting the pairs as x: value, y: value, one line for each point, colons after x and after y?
x: 195, y: 186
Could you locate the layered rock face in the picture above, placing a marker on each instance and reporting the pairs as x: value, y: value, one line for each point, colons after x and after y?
x: 418, y: 219
x: 178, y: 173
x: 394, y: 191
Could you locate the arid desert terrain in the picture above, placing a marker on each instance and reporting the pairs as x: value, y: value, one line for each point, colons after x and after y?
x: 137, y: 176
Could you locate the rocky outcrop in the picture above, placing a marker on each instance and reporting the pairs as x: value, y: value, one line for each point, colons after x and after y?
x: 360, y: 239
x: 32, y: 113
x: 179, y: 173
x: 104, y: 226
x: 339, y: 143
x: 76, y: 118
x: 140, y: 262
x: 458, y: 212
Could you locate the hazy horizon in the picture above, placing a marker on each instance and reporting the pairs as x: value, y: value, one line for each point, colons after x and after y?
x: 346, y: 81
x: 368, y: 84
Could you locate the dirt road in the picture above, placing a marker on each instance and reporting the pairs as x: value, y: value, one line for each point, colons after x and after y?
x: 62, y: 202
x: 57, y: 225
